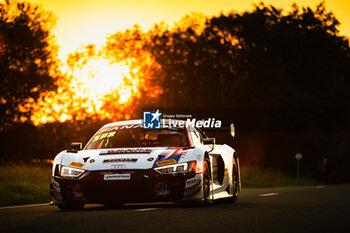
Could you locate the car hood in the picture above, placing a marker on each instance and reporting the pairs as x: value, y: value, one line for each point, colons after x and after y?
x: 126, y: 158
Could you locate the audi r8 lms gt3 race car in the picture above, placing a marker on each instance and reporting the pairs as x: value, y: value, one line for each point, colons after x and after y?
x: 124, y: 162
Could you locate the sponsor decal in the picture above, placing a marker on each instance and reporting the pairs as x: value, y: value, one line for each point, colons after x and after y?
x: 110, y: 129
x: 162, y: 189
x: 131, y: 160
x: 193, y: 181
x: 96, y: 138
x: 127, y: 151
x: 117, y: 177
x: 151, y: 120
x: 150, y: 159
x: 166, y: 162
x: 118, y: 166
x: 170, y: 154
x: 105, y: 135
x: 76, y: 164
x: 111, y: 134
x: 92, y: 160
x: 163, y: 193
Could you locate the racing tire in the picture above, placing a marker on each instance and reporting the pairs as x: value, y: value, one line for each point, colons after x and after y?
x: 71, y: 206
x: 206, y: 183
x: 235, y: 182
x: 205, y: 189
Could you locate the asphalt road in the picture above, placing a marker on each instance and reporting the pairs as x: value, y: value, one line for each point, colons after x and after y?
x: 297, y: 209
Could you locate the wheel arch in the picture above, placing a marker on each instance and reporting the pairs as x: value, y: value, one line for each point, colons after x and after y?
x: 238, y: 167
x: 235, y: 156
x: 206, y: 157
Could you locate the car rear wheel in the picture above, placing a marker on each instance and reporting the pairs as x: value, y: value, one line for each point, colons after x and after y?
x: 206, y: 183
x: 235, y: 182
x: 71, y: 206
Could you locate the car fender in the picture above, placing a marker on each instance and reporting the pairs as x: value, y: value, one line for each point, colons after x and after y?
x: 57, y: 161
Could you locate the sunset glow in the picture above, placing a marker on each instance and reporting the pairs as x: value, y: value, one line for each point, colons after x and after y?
x: 90, y: 21
x: 100, y: 84
x: 84, y: 93
x: 97, y: 78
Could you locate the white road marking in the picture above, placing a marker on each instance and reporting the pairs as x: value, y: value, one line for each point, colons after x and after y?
x: 146, y: 209
x: 268, y: 194
x: 320, y: 187
x: 23, y: 206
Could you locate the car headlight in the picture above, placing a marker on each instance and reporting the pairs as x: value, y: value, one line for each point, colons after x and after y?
x: 177, y: 168
x: 70, y: 171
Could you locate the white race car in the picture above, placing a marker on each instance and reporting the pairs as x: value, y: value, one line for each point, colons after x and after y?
x: 124, y: 162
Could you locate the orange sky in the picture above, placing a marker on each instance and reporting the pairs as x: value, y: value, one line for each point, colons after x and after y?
x: 89, y: 21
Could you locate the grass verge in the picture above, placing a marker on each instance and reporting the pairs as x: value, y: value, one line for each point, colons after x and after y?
x: 24, y: 184
x: 259, y: 178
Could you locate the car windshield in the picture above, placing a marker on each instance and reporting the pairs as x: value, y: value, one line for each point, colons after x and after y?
x: 138, y: 137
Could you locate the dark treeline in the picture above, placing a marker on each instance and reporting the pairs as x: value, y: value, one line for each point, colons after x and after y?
x: 262, y: 58
x: 281, y: 77
x: 289, y: 71
x: 24, y: 141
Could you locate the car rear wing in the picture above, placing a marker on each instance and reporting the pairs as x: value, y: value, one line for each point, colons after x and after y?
x: 231, y: 128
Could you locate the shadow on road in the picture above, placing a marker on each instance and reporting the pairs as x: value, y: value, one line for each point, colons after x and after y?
x: 148, y: 206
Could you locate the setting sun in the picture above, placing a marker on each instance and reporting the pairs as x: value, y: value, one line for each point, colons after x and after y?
x: 86, y: 91
x: 99, y: 77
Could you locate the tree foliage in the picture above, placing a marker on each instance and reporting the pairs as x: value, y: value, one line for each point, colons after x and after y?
x: 28, y: 63
x: 266, y: 57
x: 130, y: 46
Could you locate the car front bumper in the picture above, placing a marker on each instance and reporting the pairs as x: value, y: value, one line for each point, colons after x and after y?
x: 143, y: 186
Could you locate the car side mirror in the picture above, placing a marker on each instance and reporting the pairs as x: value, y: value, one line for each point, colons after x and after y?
x: 209, y: 141
x: 76, y: 146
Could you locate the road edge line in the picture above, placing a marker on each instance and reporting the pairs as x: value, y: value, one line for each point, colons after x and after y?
x: 23, y: 206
